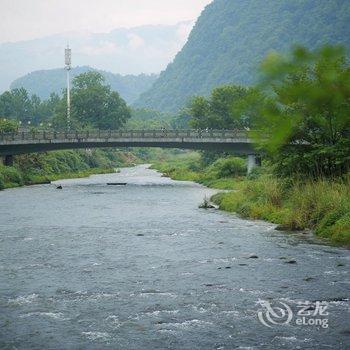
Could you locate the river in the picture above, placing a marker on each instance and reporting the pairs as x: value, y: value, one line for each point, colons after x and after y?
x: 140, y: 266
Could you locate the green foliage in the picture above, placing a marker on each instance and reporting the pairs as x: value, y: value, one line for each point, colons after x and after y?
x: 17, y: 105
x: 148, y: 119
x: 10, y: 176
x: 216, y: 112
x: 45, y: 82
x: 181, y: 120
x: 323, y: 206
x: 230, y: 38
x: 7, y: 125
x: 229, y: 167
x: 299, y: 114
x: 221, y: 173
x: 2, y: 182
x: 43, y: 167
x: 94, y: 105
x: 305, y: 119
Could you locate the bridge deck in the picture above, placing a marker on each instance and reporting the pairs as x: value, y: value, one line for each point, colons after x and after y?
x: 28, y: 142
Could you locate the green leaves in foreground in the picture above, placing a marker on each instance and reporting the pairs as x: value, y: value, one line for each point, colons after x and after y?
x: 307, y: 105
x: 299, y: 114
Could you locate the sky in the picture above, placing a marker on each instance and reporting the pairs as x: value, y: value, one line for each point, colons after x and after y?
x: 30, y: 19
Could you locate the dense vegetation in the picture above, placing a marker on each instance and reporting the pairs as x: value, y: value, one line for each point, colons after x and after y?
x: 294, y: 204
x: 301, y: 112
x: 94, y: 105
x: 302, y: 116
x: 143, y: 118
x: 46, y: 167
x: 18, y: 106
x: 45, y: 82
x: 231, y: 37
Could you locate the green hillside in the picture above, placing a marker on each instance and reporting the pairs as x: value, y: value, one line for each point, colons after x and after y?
x: 232, y: 36
x: 42, y: 83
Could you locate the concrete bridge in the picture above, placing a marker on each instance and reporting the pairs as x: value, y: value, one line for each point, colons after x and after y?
x: 233, y: 141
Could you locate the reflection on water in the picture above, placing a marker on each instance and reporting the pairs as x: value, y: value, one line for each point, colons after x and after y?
x: 93, y: 266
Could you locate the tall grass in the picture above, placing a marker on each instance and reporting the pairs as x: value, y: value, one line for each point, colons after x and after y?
x: 323, y: 206
x: 222, y: 174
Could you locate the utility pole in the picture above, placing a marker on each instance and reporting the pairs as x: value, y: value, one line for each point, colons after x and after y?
x: 68, y: 63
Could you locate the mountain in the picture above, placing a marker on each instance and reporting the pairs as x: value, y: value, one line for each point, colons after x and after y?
x: 42, y: 83
x: 145, y: 49
x: 231, y: 37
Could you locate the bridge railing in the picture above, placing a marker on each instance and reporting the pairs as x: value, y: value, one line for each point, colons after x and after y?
x: 122, y: 134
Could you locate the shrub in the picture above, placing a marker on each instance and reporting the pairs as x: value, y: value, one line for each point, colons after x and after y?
x: 2, y: 183
x: 11, y: 176
x: 228, y: 167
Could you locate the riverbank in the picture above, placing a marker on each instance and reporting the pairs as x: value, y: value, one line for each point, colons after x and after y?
x: 93, y: 266
x: 46, y: 167
x: 322, y: 206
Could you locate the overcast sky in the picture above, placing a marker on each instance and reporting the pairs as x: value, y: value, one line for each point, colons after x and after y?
x: 29, y: 19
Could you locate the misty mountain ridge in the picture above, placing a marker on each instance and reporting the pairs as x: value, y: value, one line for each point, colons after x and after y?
x: 145, y: 49
x: 44, y: 82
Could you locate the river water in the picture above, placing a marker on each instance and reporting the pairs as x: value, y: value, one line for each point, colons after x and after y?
x: 142, y: 267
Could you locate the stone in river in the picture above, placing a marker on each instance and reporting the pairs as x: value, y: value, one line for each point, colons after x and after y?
x: 290, y: 262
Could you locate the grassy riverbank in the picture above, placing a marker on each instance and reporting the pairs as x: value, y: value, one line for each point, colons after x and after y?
x: 45, y: 167
x: 323, y: 206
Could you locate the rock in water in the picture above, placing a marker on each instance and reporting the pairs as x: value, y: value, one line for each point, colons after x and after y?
x: 253, y: 256
x: 290, y: 262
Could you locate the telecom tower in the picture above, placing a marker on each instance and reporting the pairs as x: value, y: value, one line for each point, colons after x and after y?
x: 68, y: 63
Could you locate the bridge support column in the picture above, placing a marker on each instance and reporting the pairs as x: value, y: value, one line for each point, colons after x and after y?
x: 7, y: 160
x: 254, y: 160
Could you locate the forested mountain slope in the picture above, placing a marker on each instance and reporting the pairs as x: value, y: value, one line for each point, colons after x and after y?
x: 232, y: 36
x: 44, y: 82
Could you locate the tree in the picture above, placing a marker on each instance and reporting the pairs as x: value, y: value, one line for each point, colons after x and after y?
x: 305, y: 121
x: 7, y: 125
x: 95, y: 105
x: 16, y: 104
x: 216, y: 112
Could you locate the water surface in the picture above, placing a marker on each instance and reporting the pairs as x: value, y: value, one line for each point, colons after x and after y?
x: 142, y: 267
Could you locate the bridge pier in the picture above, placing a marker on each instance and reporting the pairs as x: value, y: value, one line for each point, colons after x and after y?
x: 7, y: 160
x: 254, y: 161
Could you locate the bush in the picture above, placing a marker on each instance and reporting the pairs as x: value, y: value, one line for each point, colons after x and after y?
x: 340, y: 231
x: 42, y: 167
x: 229, y: 167
x: 11, y: 176
x: 2, y: 183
